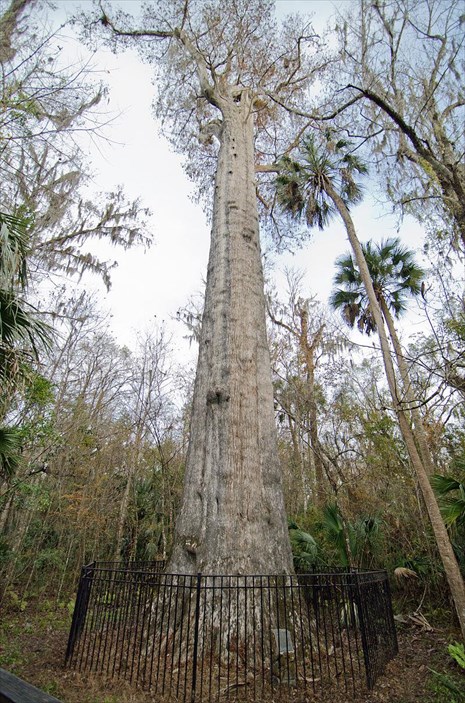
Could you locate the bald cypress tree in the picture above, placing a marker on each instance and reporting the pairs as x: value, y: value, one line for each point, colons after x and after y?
x: 215, y: 67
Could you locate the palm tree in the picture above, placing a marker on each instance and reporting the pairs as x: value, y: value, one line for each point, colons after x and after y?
x: 20, y: 333
x: 321, y: 183
x: 395, y: 277
x: 301, y: 186
x: 20, y: 329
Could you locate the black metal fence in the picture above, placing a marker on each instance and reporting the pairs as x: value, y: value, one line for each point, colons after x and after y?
x: 214, y: 638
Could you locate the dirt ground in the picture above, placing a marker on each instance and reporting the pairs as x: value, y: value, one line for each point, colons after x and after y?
x: 33, y: 641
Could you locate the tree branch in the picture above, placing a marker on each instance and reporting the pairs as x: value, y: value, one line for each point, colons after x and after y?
x: 421, y: 146
x: 312, y: 115
x: 178, y: 34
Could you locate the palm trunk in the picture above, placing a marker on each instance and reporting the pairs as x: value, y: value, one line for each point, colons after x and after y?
x: 232, y: 519
x: 451, y: 567
x: 418, y: 428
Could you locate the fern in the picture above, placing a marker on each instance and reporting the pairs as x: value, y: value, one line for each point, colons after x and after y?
x: 457, y: 652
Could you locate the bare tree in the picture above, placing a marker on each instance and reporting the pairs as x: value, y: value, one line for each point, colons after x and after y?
x: 149, y: 406
x: 401, y: 77
x: 304, y: 322
x: 48, y: 109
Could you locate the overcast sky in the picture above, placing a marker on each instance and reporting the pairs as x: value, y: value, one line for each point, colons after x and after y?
x: 155, y: 284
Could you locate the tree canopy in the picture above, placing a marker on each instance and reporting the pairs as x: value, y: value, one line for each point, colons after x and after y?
x: 401, y: 68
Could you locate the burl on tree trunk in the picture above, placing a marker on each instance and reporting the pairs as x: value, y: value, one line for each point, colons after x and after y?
x: 232, y: 519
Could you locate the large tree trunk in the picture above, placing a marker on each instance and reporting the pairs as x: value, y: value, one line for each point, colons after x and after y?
x: 232, y: 519
x: 449, y: 561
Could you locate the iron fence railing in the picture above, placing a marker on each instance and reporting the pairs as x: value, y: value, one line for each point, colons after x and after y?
x: 213, y: 638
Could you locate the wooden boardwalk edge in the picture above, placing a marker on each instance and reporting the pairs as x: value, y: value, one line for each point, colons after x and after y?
x: 15, y: 690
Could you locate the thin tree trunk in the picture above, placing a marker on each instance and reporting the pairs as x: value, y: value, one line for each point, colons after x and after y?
x: 123, y: 511
x: 8, y: 24
x: 308, y: 351
x: 418, y: 428
x: 5, y: 514
x: 21, y: 528
x: 232, y: 519
x: 299, y: 462
x: 451, y: 567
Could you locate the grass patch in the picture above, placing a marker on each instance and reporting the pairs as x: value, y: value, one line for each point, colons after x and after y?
x: 446, y: 688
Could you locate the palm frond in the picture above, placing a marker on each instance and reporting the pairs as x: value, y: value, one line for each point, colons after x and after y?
x: 304, y: 548
x: 453, y: 511
x: 19, y: 322
x: 451, y: 493
x: 366, y: 322
x: 442, y: 485
x: 10, y: 451
x: 333, y: 525
x: 393, y: 272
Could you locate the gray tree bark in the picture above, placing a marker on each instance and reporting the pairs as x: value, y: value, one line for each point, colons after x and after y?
x: 232, y: 519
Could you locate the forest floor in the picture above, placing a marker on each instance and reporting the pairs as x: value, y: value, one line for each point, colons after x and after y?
x: 33, y: 640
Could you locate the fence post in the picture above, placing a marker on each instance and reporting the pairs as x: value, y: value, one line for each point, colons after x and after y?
x: 80, y: 608
x: 390, y: 615
x: 363, y: 630
x: 196, y: 636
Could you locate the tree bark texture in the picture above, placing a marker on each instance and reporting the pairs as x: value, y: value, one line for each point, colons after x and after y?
x: 232, y: 519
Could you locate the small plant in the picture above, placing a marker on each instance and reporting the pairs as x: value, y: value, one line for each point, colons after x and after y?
x: 447, y: 685
x: 11, y: 658
x: 51, y: 687
x: 444, y: 685
x: 16, y: 601
x: 70, y: 606
x: 457, y: 652
x: 304, y: 548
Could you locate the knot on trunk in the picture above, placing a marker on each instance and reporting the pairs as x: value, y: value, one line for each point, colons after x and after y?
x: 209, y: 130
x: 217, y: 396
x: 191, y: 546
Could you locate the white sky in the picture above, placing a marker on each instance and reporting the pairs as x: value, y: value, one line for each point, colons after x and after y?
x: 155, y: 284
